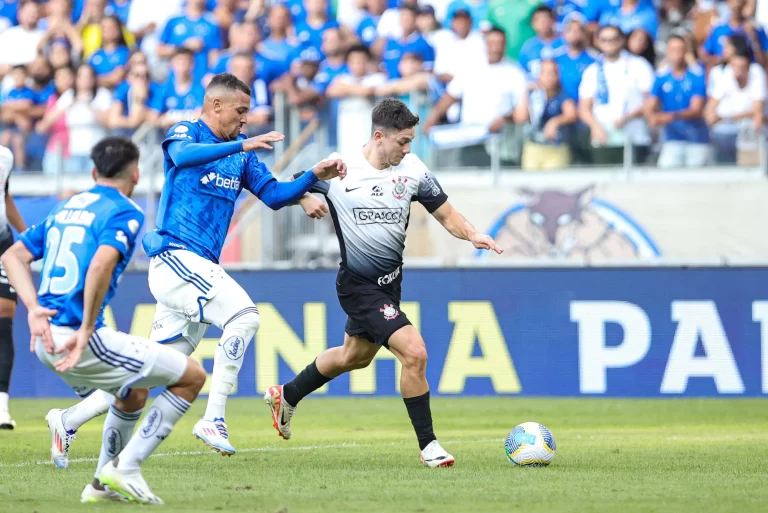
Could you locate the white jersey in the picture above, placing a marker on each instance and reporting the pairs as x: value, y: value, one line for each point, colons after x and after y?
x: 370, y: 210
x: 6, y: 166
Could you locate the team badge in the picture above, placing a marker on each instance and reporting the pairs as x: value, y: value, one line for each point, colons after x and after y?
x: 398, y: 191
x: 389, y: 311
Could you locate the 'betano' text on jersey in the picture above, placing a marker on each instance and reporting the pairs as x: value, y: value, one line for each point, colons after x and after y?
x: 197, y: 203
x: 370, y: 210
x: 67, y: 241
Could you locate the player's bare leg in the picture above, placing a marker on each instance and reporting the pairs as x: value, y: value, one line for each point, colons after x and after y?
x: 408, y: 346
x: 356, y: 353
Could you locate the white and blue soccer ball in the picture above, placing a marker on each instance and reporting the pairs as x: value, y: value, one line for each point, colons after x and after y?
x: 530, y: 445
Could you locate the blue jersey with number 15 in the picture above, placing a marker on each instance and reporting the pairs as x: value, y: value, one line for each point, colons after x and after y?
x: 67, y: 241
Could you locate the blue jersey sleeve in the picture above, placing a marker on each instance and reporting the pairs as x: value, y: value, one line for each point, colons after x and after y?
x: 428, y: 53
x: 657, y: 85
x: 711, y: 44
x: 34, y: 239
x: 121, y: 93
x: 121, y: 229
x: 699, y: 86
x: 167, y: 35
x: 762, y: 38
x: 221, y: 65
x: 213, y: 39
x: 524, y: 57
x: 274, y: 194
x: 184, y: 151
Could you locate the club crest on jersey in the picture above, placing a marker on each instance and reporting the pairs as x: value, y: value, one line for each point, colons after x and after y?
x: 389, y: 311
x: 399, y: 190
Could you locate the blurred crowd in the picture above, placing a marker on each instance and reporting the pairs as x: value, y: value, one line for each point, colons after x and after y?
x: 682, y: 81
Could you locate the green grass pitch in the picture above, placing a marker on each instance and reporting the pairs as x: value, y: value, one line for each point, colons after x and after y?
x: 350, y: 455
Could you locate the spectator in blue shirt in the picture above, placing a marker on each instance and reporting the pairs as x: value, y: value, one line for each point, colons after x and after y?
x: 119, y: 8
x: 242, y: 66
x: 593, y: 10
x: 244, y: 38
x: 334, y: 64
x: 309, y: 32
x: 574, y: 58
x: 411, y: 42
x: 366, y: 30
x: 182, y: 95
x: 16, y: 123
x: 676, y: 106
x: 8, y: 9
x: 131, y: 106
x: 196, y: 31
x: 543, y: 44
x: 550, y: 110
x: 478, y: 10
x: 736, y: 24
x: 278, y: 46
x: 631, y: 15
x: 563, y: 8
x: 110, y: 60
x: 299, y: 9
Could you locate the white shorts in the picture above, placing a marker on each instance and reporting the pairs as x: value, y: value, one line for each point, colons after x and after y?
x: 115, y: 362
x: 192, y: 293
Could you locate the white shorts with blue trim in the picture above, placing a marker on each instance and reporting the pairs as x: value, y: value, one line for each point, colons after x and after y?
x: 115, y: 362
x: 192, y: 293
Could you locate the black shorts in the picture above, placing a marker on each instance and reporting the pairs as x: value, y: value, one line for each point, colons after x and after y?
x: 6, y: 291
x: 373, y: 312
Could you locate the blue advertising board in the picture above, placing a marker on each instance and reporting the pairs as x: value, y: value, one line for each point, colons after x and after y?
x: 655, y: 332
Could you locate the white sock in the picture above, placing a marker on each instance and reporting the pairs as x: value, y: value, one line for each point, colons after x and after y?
x: 238, y: 333
x: 118, y: 428
x: 91, y: 407
x: 4, y: 397
x: 165, y: 412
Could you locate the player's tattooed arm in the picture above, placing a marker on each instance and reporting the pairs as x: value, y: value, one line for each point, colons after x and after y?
x: 458, y: 226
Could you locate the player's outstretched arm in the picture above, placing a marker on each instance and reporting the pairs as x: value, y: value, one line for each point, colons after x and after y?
x: 97, y: 281
x: 16, y: 263
x: 458, y: 226
x: 185, y: 154
x: 277, y: 195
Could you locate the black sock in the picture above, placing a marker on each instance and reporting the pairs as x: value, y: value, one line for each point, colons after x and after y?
x: 304, y: 384
x: 421, y: 418
x: 6, y: 353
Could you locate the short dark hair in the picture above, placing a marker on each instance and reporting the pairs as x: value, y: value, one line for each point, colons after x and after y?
x: 229, y: 82
x: 390, y: 114
x: 183, y: 51
x: 20, y: 67
x: 543, y: 9
x: 741, y: 46
x: 611, y: 27
x: 359, y: 48
x: 497, y: 30
x: 113, y: 155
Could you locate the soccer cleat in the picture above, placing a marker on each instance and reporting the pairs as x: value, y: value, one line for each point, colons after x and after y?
x: 60, y: 438
x: 214, y: 434
x: 129, y: 484
x: 282, y: 412
x: 92, y: 494
x: 6, y: 422
x: 434, y: 456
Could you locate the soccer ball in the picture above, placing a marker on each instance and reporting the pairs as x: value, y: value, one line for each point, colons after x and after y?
x: 530, y: 445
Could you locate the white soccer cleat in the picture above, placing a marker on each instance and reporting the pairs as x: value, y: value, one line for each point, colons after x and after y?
x: 434, y: 456
x: 6, y: 422
x: 92, y: 494
x: 129, y: 484
x: 282, y: 412
x: 214, y: 434
x: 60, y: 438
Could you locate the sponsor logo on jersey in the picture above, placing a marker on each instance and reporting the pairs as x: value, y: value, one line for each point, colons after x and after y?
x: 121, y: 237
x: 377, y: 191
x: 390, y: 312
x: 399, y: 190
x: 432, y: 184
x: 133, y: 226
x: 378, y: 215
x: 181, y: 129
x: 221, y: 181
x: 389, y: 278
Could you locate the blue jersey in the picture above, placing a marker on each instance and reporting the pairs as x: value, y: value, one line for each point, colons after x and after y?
x: 298, y: 13
x: 124, y: 96
x: 313, y: 36
x: 367, y: 31
x: 280, y: 52
x: 8, y: 10
x: 395, y: 49
x: 119, y: 8
x: 67, y: 241
x: 644, y: 17
x: 714, y: 43
x: 181, y: 28
x: 104, y: 62
x: 21, y: 93
x: 179, y: 102
x: 675, y: 94
x: 572, y: 69
x: 534, y: 51
x: 42, y: 95
x: 563, y: 8
x: 197, y: 203
x: 594, y: 9
x: 266, y: 69
x: 325, y: 76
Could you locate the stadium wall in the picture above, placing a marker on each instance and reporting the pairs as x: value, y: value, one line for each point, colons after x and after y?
x: 634, y: 332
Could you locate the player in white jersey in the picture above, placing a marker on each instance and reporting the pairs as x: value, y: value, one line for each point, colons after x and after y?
x: 9, y: 216
x: 370, y: 210
x: 85, y: 244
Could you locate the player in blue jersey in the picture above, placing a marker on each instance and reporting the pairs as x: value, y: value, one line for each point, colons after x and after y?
x: 85, y: 244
